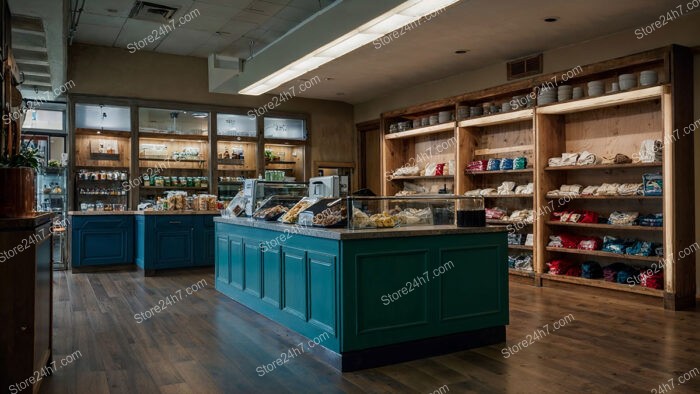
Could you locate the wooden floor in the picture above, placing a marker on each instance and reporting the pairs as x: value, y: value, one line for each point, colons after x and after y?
x: 207, y: 343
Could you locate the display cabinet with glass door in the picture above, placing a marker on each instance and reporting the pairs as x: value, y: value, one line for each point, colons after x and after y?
x: 102, y: 154
x: 173, y: 152
x: 236, y: 149
x: 285, y: 149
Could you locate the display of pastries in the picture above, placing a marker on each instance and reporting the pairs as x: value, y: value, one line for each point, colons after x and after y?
x: 292, y: 215
x: 270, y: 213
x: 330, y: 216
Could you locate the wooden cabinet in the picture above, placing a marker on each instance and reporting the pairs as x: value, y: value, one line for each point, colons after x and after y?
x: 26, y: 298
x: 605, y: 125
x: 102, y: 240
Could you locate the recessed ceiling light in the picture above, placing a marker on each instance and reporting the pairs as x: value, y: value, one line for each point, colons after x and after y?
x: 551, y: 19
x: 461, y: 51
x: 200, y: 115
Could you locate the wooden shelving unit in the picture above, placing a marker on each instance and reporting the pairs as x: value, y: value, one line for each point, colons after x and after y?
x: 606, y: 125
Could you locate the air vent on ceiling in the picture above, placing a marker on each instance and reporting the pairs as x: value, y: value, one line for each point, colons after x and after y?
x: 525, y: 67
x: 153, y: 12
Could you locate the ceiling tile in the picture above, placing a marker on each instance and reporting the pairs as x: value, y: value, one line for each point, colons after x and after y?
x: 182, y: 41
x: 294, y: 14
x: 137, y: 30
x: 96, y: 35
x: 211, y: 18
x: 237, y: 28
x: 264, y: 7
x: 104, y: 7
x: 101, y: 20
x: 228, y: 3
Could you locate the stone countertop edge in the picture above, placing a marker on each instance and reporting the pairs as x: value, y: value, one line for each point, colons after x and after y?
x: 108, y: 213
x: 345, y: 234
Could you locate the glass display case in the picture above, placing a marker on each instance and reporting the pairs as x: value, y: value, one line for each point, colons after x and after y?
x: 173, y: 152
x: 389, y: 212
x: 236, y: 125
x: 102, y: 156
x: 173, y: 122
x: 257, y: 191
x: 51, y: 190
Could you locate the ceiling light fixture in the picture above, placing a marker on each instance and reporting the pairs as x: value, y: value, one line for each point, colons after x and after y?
x: 406, y: 13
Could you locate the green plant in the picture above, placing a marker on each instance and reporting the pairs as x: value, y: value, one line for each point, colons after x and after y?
x: 27, y: 157
x: 53, y: 163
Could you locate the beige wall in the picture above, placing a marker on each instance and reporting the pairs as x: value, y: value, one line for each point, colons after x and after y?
x: 147, y: 75
x: 685, y: 31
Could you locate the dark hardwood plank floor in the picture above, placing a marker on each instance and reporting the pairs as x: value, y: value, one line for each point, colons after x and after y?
x: 207, y: 343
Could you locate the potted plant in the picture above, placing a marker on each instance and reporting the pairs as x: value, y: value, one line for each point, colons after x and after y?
x: 17, y: 179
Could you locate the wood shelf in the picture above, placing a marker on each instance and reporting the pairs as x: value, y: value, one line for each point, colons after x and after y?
x: 659, y: 198
x: 173, y: 160
x: 606, y: 226
x: 505, y: 222
x: 524, y: 171
x: 233, y: 138
x: 403, y: 178
x: 279, y: 162
x: 498, y: 151
x: 498, y: 119
x: 422, y: 131
x: 605, y: 167
x: 493, y: 196
x: 600, y: 253
x: 601, y: 283
x: 520, y: 247
x: 103, y: 133
x: 173, y: 188
x: 610, y: 100
x: 527, y: 274
x: 184, y: 137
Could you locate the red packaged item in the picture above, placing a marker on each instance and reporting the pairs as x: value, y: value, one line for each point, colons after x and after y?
x: 556, y: 216
x: 479, y: 165
x: 591, y: 243
x: 561, y: 267
x: 653, y: 280
x: 495, y: 213
x: 570, y: 241
x: 589, y: 217
x: 439, y: 169
x: 573, y: 271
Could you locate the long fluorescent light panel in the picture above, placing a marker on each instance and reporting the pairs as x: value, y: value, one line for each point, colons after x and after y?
x: 407, y: 13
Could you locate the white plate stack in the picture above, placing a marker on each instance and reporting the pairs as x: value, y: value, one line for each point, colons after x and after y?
x: 565, y: 92
x: 547, y: 96
x: 596, y: 88
x: 463, y: 112
x: 578, y: 93
x: 648, y: 78
x: 628, y: 81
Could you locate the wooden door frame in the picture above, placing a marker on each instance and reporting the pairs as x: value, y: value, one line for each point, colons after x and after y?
x: 361, y: 128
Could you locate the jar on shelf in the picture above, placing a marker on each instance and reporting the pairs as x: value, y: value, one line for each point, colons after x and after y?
x: 167, y: 181
x: 204, y: 182
x: 159, y: 181
x: 99, y: 206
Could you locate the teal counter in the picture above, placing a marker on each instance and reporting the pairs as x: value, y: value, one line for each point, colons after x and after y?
x: 377, y: 296
x: 151, y: 240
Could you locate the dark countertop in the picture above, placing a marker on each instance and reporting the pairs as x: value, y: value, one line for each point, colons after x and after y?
x: 345, y: 234
x: 16, y: 224
x: 107, y: 213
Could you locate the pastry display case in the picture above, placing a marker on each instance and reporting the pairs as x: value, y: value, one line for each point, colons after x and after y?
x: 389, y: 212
x: 257, y: 191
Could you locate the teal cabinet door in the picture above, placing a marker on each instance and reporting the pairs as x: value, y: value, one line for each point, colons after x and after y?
x: 322, y: 291
x: 174, y: 248
x: 252, y: 267
x: 294, y: 282
x: 235, y: 247
x: 272, y: 273
x: 102, y: 240
x: 223, y: 256
x: 204, y: 241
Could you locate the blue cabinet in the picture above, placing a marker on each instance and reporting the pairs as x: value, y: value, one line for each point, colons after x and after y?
x: 174, y: 241
x: 102, y: 240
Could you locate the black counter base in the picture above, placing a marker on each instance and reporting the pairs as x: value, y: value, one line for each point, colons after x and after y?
x: 408, y: 351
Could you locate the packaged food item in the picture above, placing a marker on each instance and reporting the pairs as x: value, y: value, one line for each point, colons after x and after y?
x: 237, y: 206
x: 653, y: 184
x: 292, y: 215
x: 270, y: 214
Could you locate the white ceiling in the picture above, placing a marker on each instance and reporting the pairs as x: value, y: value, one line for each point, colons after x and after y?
x: 492, y: 31
x: 222, y: 26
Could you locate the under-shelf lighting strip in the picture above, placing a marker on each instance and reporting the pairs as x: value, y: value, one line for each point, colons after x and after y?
x: 406, y: 13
